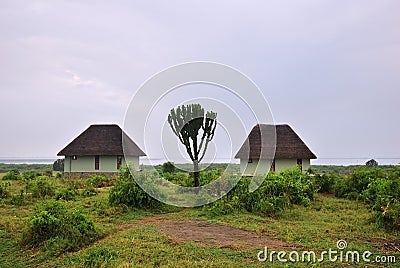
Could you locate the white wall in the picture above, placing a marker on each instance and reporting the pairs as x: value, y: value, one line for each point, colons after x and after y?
x: 106, y: 163
x: 263, y: 166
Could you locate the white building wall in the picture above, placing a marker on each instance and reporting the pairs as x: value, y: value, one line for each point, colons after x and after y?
x: 263, y: 166
x: 282, y: 164
x: 106, y: 163
x: 132, y: 161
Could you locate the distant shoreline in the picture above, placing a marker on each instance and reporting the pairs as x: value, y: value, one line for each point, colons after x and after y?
x: 17, y: 161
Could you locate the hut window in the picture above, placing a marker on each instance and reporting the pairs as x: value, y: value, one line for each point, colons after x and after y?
x: 119, y: 161
x: 300, y: 164
x: 96, y: 162
x: 250, y: 160
x: 74, y: 157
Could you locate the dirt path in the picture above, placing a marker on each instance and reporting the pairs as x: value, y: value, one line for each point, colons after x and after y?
x: 181, y: 231
x: 212, y: 234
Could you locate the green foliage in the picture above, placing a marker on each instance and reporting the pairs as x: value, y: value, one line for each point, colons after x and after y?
x: 58, y: 165
x: 179, y: 178
x: 66, y: 194
x: 89, y: 191
x: 377, y: 187
x: 353, y: 185
x: 53, y: 224
x: 168, y: 167
x: 41, y: 187
x: 23, y: 167
x: 277, y: 192
x: 12, y: 175
x: 126, y: 190
x: 326, y: 182
x: 99, y: 181
x: 100, y: 257
x: 4, y: 193
x: 18, y: 199
x: 30, y: 174
x: 383, y: 195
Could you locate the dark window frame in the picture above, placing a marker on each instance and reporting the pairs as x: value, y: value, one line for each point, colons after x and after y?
x: 119, y: 161
x: 97, y: 162
x: 272, y: 166
x: 300, y: 164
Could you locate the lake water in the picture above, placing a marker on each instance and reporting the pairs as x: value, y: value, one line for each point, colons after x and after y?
x: 10, y: 160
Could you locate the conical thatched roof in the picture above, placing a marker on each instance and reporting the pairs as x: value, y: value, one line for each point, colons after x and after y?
x: 102, y: 140
x: 288, y: 143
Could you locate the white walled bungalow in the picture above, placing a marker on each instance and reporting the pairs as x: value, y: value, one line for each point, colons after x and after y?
x: 99, y: 149
x: 257, y: 152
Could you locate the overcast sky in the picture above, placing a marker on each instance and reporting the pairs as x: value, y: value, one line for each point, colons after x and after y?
x: 330, y: 69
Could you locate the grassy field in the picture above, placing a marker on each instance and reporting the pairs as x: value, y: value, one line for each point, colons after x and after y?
x: 132, y: 237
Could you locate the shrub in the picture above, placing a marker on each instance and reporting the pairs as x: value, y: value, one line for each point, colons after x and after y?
x: 379, y: 189
x: 12, y: 175
x: 127, y: 191
x: 353, y: 185
x: 326, y: 182
x: 89, y: 191
x: 383, y: 196
x: 30, y: 174
x: 168, y: 167
x: 187, y: 180
x: 179, y: 178
x: 41, y: 187
x: 51, y: 222
x: 18, y: 199
x: 277, y: 192
x: 67, y: 194
x: 99, y: 181
x: 4, y: 193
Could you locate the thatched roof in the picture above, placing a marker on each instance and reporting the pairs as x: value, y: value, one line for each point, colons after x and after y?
x: 102, y: 140
x: 288, y: 143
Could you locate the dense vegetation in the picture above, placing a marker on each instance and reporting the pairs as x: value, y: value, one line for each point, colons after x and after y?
x: 24, y: 167
x: 44, y: 216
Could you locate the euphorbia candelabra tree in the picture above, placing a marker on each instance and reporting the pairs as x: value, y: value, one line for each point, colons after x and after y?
x: 186, y: 121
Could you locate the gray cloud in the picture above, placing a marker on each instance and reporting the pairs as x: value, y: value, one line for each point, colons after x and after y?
x: 328, y: 68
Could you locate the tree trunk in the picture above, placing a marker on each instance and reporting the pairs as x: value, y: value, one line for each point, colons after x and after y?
x: 196, y: 175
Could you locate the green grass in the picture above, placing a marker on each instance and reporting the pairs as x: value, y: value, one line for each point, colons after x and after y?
x: 127, y: 242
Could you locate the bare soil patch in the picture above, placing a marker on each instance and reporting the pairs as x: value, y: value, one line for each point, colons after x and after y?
x: 214, y: 234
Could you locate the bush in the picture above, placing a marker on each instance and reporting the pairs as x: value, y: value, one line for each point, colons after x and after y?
x: 179, y: 178
x: 89, y: 191
x: 277, y: 192
x: 353, y: 185
x: 66, y: 194
x: 4, y: 193
x: 379, y: 189
x: 168, y: 167
x: 30, y: 174
x: 41, y: 187
x: 99, y: 181
x: 127, y: 191
x: 187, y: 180
x: 12, y: 175
x: 51, y: 222
x: 18, y: 199
x: 326, y: 182
x: 383, y: 196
